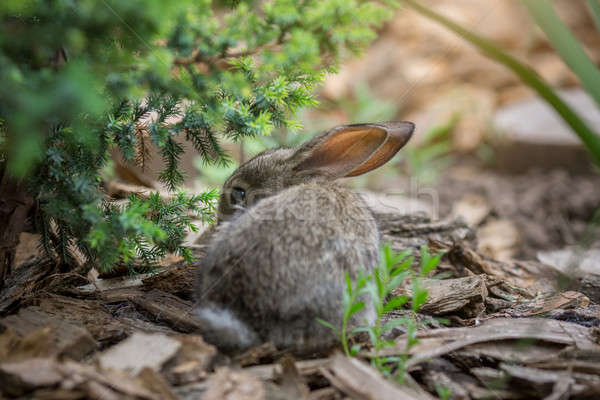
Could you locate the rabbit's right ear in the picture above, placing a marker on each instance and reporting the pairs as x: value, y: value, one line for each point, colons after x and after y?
x: 351, y: 150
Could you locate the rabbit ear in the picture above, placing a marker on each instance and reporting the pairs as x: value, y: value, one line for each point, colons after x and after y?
x: 351, y: 150
x: 398, y: 134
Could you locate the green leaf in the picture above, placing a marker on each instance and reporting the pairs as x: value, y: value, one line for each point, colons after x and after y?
x: 569, y: 48
x: 419, y: 298
x: 428, y: 262
x: 397, y: 280
x: 360, y: 282
x: 371, y: 289
x: 348, y: 283
x: 406, y: 264
x: 347, y: 301
x: 379, y: 275
x: 355, y: 349
x: 394, y: 323
x: 356, y: 307
x: 394, y: 359
x: 412, y: 340
x: 594, y: 7
x: 395, y: 303
x: 328, y: 325
x: 373, y: 337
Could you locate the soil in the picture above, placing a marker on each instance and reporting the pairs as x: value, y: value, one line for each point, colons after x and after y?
x: 550, y: 208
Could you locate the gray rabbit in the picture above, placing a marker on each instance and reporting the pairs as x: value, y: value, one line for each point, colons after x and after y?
x: 287, y: 235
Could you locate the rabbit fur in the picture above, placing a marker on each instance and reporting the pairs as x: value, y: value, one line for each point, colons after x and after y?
x: 287, y: 235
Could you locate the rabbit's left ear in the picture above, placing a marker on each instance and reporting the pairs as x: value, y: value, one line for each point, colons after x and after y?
x: 352, y: 150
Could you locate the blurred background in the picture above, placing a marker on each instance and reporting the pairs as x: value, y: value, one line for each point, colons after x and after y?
x: 486, y: 147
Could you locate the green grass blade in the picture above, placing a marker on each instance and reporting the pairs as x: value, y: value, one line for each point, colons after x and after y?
x: 328, y: 325
x: 588, y: 136
x: 594, y: 7
x: 566, y: 44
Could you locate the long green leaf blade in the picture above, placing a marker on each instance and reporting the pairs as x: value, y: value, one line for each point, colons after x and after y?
x: 588, y: 136
x: 566, y: 44
x: 594, y: 7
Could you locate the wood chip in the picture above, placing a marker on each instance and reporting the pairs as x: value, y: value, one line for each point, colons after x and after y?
x: 14, y: 347
x: 271, y: 371
x: 254, y: 354
x: 191, y: 362
x: 472, y: 208
x: 532, y: 276
x: 18, y: 378
x: 538, y: 380
x: 121, y: 294
x: 119, y: 382
x: 545, y: 304
x: 292, y: 384
x: 438, y: 342
x: 590, y: 286
x: 68, y: 340
x: 155, y: 382
x: 178, y: 280
x: 121, y: 282
x: 169, y: 309
x: 23, y: 283
x: 91, y: 314
x: 98, y: 391
x: 191, y: 391
x: 465, y: 296
x: 499, y: 239
x: 139, y: 351
x: 327, y: 393
x: 227, y: 384
x: 440, y: 374
x: 58, y: 394
x: 360, y: 381
x: 415, y: 230
x: 510, y: 351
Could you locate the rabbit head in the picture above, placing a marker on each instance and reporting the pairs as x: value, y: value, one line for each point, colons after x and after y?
x: 344, y: 151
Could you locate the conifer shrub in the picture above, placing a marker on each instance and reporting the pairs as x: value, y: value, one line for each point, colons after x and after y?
x: 80, y: 78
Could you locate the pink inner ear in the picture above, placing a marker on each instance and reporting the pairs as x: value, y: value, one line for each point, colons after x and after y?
x: 395, y: 140
x: 344, y: 151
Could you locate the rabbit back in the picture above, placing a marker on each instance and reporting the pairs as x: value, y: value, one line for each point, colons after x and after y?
x: 280, y: 265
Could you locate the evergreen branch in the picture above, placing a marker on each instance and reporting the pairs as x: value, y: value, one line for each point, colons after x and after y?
x: 171, y: 153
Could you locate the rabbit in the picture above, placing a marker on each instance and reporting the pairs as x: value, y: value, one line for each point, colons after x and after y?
x: 287, y: 233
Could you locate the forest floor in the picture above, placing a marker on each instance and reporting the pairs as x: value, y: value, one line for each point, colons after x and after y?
x: 515, y: 329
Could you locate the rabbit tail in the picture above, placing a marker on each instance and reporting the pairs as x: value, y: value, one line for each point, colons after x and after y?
x: 224, y: 329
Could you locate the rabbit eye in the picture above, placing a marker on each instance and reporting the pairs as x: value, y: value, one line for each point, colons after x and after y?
x: 238, y: 196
